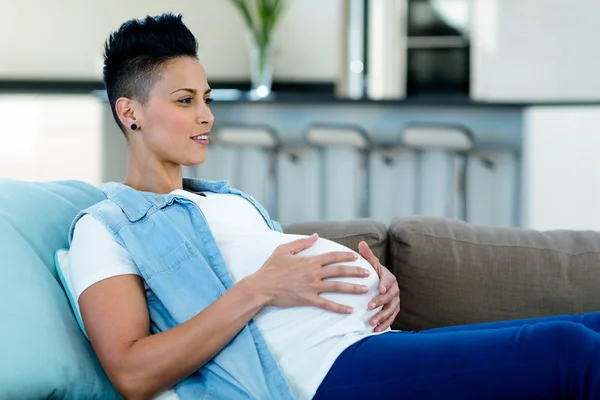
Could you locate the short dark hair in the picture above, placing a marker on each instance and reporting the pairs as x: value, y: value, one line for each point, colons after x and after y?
x: 135, y: 54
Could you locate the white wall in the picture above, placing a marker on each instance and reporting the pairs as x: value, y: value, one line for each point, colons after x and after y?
x: 527, y: 50
x: 561, y: 165
x: 62, y: 39
x: 46, y: 138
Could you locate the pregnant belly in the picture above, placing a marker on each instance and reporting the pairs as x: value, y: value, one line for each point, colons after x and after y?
x: 298, y: 329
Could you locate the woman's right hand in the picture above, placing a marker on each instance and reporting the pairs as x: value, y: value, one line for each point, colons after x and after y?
x: 289, y: 280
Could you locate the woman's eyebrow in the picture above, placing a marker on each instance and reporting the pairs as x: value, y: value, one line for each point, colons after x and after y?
x: 192, y: 91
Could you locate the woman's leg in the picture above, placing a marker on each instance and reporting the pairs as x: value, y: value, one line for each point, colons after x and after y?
x: 590, y: 320
x: 541, y: 359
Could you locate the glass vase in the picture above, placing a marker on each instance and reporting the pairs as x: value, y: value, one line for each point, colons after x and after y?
x: 261, y: 67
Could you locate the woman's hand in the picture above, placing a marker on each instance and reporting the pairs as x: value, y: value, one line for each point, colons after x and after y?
x: 289, y: 280
x: 389, y: 292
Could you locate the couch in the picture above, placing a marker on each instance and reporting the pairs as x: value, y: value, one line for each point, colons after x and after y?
x: 449, y: 273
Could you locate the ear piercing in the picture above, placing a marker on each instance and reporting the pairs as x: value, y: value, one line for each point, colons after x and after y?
x: 134, y: 127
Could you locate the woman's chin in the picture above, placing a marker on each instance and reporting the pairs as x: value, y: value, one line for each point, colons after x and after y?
x: 194, y: 161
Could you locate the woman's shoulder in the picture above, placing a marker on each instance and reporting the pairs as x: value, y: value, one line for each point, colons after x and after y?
x: 92, y: 236
x: 95, y: 255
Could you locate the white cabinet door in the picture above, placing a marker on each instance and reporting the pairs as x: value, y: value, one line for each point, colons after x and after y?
x: 561, y: 168
x: 532, y: 50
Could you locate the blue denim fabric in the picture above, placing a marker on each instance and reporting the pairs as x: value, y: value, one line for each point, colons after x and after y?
x: 540, y: 358
x: 171, y: 243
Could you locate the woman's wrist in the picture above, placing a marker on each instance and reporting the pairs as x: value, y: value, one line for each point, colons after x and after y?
x: 254, y: 291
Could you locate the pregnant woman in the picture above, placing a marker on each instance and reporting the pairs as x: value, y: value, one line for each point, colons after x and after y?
x: 187, y: 289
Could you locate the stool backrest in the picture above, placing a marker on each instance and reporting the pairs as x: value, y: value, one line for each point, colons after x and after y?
x: 441, y: 137
x: 337, y: 136
x: 251, y: 136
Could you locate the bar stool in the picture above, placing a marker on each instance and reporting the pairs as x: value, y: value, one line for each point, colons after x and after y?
x: 441, y: 152
x: 343, y: 168
x: 393, y: 181
x: 246, y: 155
x: 493, y: 194
x: 298, y: 183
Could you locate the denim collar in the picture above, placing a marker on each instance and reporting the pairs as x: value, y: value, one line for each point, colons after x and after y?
x: 136, y: 204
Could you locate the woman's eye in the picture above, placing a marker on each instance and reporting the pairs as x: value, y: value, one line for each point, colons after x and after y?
x: 187, y: 100
x: 208, y: 101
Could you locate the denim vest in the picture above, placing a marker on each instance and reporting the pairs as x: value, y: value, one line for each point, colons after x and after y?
x: 172, y: 245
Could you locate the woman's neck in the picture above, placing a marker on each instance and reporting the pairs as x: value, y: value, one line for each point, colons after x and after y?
x: 150, y: 175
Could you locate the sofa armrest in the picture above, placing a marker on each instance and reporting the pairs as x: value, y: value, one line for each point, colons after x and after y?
x: 347, y: 233
x: 453, y: 273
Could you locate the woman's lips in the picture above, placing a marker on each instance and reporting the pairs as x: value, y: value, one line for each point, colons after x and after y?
x: 203, y: 142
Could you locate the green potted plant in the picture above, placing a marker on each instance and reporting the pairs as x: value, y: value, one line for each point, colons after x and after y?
x: 261, y: 18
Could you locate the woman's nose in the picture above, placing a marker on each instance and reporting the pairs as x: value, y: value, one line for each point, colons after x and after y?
x: 205, y: 116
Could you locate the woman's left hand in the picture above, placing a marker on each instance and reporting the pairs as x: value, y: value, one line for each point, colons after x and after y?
x: 389, y: 292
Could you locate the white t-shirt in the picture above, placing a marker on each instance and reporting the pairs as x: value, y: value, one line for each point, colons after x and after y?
x: 304, y: 340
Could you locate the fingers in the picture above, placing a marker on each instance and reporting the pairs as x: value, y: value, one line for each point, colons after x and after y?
x: 298, y: 245
x: 340, y: 271
x: 383, y: 299
x: 342, y: 287
x: 327, y: 305
x: 365, y: 250
x: 383, y: 288
x: 387, y: 313
x: 388, y: 280
x: 387, y: 323
x: 335, y: 257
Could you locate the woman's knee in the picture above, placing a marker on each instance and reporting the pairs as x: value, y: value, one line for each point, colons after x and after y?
x: 573, y: 342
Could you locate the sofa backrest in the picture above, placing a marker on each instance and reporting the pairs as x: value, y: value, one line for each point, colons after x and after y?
x: 454, y: 273
x: 347, y: 233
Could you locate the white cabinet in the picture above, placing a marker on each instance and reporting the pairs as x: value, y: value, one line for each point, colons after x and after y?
x: 561, y: 168
x: 532, y: 50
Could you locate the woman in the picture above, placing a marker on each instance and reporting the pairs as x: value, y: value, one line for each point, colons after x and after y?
x: 239, y: 310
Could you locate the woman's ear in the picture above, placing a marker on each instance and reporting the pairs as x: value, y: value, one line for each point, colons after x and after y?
x: 125, y: 109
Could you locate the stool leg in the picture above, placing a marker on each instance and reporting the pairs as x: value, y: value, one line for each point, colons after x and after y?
x: 461, y: 199
x: 436, y: 184
x: 364, y: 184
x: 272, y: 189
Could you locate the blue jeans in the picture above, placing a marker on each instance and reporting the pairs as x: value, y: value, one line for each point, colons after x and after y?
x: 546, y: 358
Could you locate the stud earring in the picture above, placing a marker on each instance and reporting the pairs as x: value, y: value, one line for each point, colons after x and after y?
x: 134, y: 127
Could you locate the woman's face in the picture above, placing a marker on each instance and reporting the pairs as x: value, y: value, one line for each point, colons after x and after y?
x: 177, y: 116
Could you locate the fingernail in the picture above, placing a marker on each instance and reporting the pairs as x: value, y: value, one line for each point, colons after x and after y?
x: 314, y: 234
x: 371, y: 306
x: 348, y: 310
x: 355, y: 256
x: 364, y: 289
x: 367, y: 272
x: 376, y: 322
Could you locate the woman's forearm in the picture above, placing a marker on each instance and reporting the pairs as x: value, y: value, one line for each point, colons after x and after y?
x: 157, y: 362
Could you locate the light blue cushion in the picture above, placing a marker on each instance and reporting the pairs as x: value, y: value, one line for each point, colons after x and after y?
x: 62, y: 269
x: 43, y: 353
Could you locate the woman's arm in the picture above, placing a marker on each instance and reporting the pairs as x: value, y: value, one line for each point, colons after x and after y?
x: 115, y: 316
